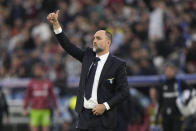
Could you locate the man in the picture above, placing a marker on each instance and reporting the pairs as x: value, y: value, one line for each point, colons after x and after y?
x: 168, y: 93
x: 39, y: 95
x: 103, y: 83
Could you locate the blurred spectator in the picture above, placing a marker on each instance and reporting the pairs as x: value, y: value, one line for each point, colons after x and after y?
x: 38, y: 96
x: 145, y: 33
x: 48, y: 5
x: 141, y: 122
x: 3, y: 108
x: 153, y: 110
x: 156, y: 25
x: 72, y: 67
x: 71, y: 108
x: 190, y: 56
x: 138, y: 120
x: 41, y: 30
x: 17, y: 12
x: 32, y: 8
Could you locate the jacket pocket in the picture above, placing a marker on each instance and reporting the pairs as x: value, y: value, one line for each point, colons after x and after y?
x: 109, y: 118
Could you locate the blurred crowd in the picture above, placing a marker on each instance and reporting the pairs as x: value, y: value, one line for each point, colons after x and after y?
x: 146, y: 33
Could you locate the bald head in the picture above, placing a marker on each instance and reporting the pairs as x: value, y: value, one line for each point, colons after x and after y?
x: 107, y: 34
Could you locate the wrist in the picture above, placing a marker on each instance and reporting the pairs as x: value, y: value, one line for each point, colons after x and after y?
x: 56, y: 25
x: 104, y: 106
x: 58, y: 31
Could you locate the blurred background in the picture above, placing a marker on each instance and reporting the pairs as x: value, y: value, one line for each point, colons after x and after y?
x: 146, y: 33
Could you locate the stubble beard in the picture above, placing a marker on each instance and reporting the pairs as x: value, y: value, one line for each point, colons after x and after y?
x: 97, y: 50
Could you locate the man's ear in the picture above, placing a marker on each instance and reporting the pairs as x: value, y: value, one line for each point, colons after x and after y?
x: 109, y: 43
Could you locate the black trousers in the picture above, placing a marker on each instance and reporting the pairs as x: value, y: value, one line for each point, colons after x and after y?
x: 172, y: 123
x: 89, y: 122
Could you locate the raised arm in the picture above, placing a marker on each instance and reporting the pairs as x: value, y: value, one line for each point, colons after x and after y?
x: 62, y: 38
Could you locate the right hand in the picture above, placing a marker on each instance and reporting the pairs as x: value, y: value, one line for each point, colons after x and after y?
x: 53, y: 17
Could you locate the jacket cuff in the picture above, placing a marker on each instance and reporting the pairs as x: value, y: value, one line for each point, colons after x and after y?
x: 106, y: 105
x: 58, y: 31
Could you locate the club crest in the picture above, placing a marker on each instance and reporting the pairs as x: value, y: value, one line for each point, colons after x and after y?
x: 111, y: 80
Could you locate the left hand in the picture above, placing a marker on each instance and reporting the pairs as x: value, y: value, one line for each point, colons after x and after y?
x: 99, y: 109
